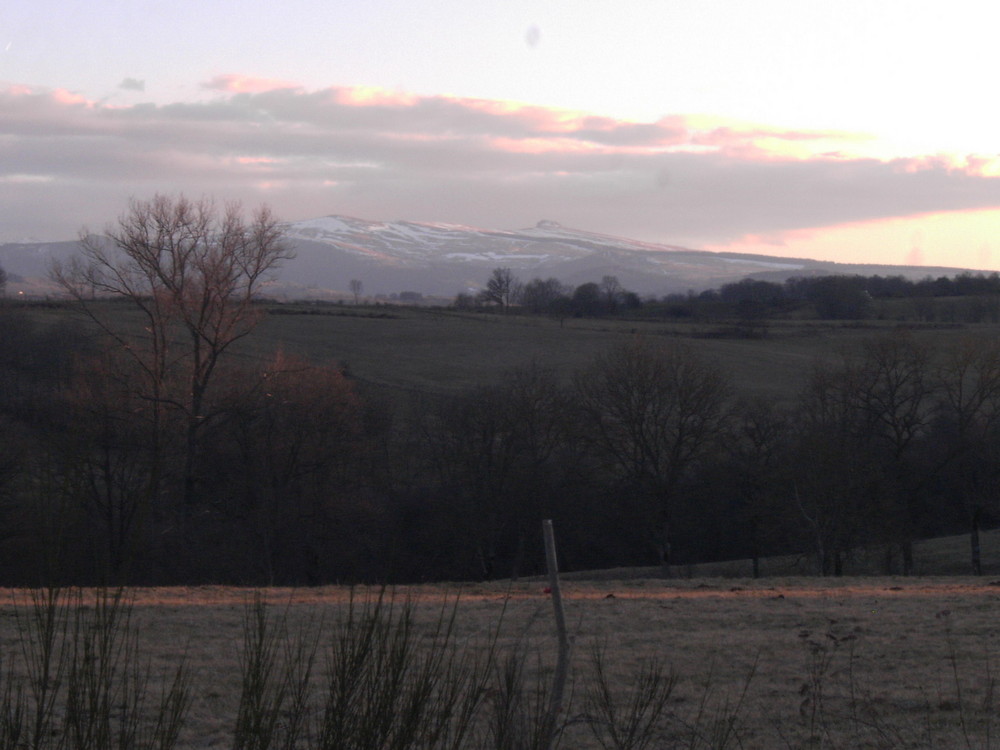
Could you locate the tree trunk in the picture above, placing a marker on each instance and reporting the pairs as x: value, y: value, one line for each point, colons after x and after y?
x: 665, y: 551
x: 907, y: 549
x: 515, y: 568
x: 888, y: 562
x: 190, y: 456
x: 754, y: 549
x: 977, y: 563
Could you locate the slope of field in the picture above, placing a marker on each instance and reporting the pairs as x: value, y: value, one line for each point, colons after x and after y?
x: 401, y: 349
x: 440, y: 351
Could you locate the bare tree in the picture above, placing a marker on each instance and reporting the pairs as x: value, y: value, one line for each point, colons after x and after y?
x: 296, y: 439
x: 756, y: 447
x: 653, y: 412
x: 612, y: 291
x: 540, y: 295
x: 356, y: 288
x: 969, y: 375
x: 107, y: 451
x: 834, y: 465
x: 492, y: 446
x: 3, y: 282
x: 191, y: 272
x: 587, y: 299
x: 895, y: 392
x: 502, y: 288
x: 864, y: 424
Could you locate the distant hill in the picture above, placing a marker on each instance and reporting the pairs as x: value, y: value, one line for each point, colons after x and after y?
x: 445, y: 259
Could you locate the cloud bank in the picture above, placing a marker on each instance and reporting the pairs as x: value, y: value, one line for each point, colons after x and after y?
x: 66, y: 161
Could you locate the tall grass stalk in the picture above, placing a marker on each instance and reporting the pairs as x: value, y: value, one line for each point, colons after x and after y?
x: 635, y: 721
x: 43, y: 639
x: 841, y: 709
x: 12, y: 712
x: 520, y: 708
x: 276, y: 668
x: 716, y: 724
x: 394, y: 685
x: 84, y: 684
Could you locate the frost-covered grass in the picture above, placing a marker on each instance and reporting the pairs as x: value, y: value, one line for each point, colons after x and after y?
x: 784, y: 662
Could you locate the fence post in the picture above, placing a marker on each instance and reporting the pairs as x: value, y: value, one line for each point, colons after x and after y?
x: 562, y: 662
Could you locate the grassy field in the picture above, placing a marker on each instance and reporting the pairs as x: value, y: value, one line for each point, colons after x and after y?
x: 791, y: 661
x: 440, y: 351
x: 785, y: 661
x: 782, y: 662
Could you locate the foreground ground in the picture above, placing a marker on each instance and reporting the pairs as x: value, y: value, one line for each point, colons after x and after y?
x: 862, y: 662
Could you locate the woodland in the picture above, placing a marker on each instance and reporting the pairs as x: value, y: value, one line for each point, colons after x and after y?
x: 165, y: 423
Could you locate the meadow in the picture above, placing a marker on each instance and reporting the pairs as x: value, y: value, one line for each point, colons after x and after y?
x: 440, y: 351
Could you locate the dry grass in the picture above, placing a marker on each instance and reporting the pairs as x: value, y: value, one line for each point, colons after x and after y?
x: 873, y: 662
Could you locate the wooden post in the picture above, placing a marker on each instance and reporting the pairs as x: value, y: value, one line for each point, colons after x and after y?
x: 562, y: 661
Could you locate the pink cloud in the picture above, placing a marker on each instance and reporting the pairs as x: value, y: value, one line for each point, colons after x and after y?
x: 971, y: 164
x: 68, y: 98
x: 238, y: 84
x: 255, y: 160
x: 543, y: 146
x: 56, y: 97
x: 372, y: 96
x: 685, y: 180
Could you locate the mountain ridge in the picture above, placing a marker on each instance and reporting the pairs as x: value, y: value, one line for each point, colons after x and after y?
x: 442, y: 259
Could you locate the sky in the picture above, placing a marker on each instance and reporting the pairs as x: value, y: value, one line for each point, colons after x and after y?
x: 855, y: 131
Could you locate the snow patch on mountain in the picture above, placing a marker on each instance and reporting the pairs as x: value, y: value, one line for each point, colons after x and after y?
x: 764, y: 263
x: 548, y: 241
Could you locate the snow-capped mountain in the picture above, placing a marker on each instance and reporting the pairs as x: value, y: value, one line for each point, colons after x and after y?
x: 449, y: 258
x: 421, y: 243
x: 445, y: 259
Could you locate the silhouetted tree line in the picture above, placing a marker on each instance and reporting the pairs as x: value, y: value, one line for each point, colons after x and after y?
x: 504, y: 291
x: 966, y: 297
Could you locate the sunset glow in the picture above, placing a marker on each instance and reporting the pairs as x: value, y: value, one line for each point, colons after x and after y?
x: 924, y: 240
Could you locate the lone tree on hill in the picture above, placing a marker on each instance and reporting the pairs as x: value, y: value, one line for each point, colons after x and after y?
x: 356, y: 288
x: 653, y: 412
x: 502, y: 288
x: 612, y: 291
x: 191, y: 271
